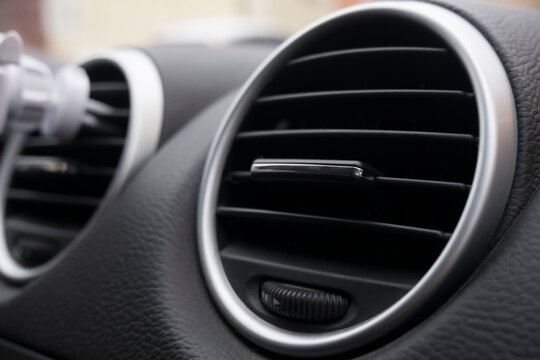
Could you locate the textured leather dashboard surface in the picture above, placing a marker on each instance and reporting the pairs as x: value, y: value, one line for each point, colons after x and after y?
x: 132, y: 287
x: 515, y: 35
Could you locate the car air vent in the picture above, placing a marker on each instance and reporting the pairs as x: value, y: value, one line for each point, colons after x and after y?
x: 56, y: 188
x: 347, y: 172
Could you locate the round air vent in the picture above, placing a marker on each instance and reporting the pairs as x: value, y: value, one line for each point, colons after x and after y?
x: 357, y: 179
x: 52, y: 191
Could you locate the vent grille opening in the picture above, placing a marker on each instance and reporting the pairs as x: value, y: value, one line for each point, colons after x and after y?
x: 57, y: 188
x: 388, y: 94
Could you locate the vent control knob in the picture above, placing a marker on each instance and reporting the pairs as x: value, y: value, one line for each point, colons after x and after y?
x: 302, y: 303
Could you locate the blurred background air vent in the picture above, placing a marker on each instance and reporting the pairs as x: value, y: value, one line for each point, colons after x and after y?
x: 56, y: 188
x: 388, y: 95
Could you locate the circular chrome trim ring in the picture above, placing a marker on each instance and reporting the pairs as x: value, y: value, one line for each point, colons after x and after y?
x: 471, y: 238
x: 142, y: 138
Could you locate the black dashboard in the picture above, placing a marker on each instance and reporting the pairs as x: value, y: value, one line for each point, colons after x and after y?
x: 366, y: 189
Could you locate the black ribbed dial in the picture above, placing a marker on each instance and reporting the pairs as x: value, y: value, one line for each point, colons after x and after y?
x: 303, y: 303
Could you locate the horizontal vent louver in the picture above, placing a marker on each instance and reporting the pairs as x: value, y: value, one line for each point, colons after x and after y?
x: 56, y: 188
x: 399, y: 102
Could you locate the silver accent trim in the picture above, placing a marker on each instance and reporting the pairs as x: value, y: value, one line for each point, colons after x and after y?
x: 331, y: 170
x: 47, y: 164
x: 144, y: 130
x: 472, y: 236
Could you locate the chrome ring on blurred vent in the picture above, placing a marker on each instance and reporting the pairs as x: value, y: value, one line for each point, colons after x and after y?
x: 471, y: 238
x: 142, y: 138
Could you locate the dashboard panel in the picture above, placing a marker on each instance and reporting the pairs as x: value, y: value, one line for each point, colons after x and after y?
x: 137, y: 283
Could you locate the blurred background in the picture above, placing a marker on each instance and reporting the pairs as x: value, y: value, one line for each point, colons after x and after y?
x: 72, y: 29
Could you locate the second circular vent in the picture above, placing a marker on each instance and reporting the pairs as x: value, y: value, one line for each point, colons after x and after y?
x: 57, y: 189
x: 357, y: 163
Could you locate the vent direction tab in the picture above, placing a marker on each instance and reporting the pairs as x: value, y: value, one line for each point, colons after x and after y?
x: 301, y: 169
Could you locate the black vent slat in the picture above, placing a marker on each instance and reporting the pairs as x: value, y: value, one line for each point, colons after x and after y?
x: 94, y: 151
x: 113, y: 93
x: 450, y: 114
x: 304, y: 218
x: 61, y: 176
x: 378, y: 52
x: 109, y: 86
x: 418, y: 183
x: 366, y: 94
x: 78, y: 185
x: 359, y: 134
x: 412, y: 206
x: 94, y: 125
x: 50, y: 198
x: 239, y: 176
x: 88, y: 142
x: 102, y: 109
x: 51, y: 166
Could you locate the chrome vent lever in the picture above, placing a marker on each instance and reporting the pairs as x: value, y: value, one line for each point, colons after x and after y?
x: 349, y: 171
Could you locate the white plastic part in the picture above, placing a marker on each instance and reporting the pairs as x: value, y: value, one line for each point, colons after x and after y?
x: 10, y: 53
x: 11, y: 46
x: 33, y: 98
x: 70, y: 98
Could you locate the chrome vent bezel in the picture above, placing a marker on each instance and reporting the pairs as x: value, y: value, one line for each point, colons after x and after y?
x: 473, y: 234
x: 142, y: 138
